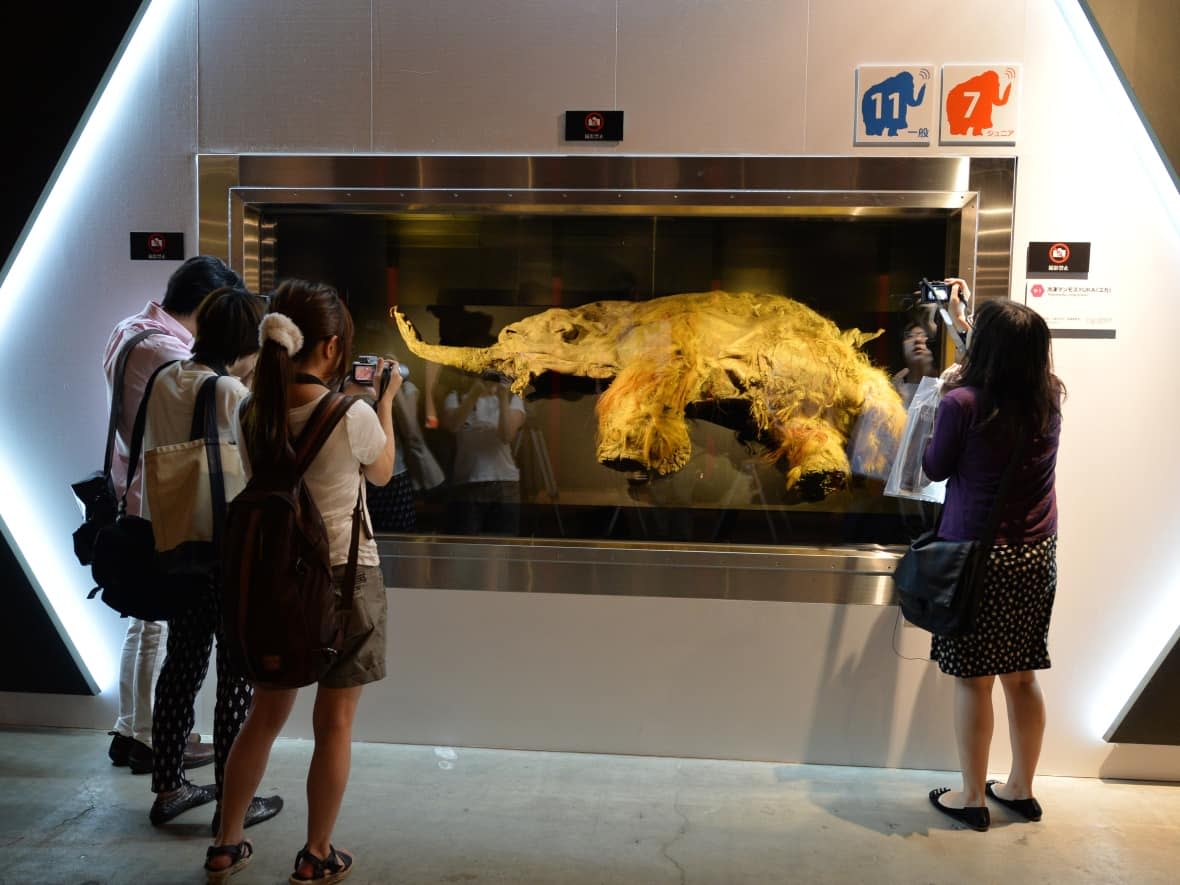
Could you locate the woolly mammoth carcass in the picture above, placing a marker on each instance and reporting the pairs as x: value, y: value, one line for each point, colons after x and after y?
x: 807, y: 386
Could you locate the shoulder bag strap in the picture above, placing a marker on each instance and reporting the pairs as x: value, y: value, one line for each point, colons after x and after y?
x: 117, y: 394
x: 993, y: 519
x: 331, y: 408
x: 206, y: 409
x: 327, y: 414
x: 137, y: 432
x: 354, y: 547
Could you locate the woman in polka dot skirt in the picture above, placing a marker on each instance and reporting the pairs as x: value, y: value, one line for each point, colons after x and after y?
x: 1005, y: 394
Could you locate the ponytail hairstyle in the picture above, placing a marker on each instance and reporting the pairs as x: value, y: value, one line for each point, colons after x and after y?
x: 1010, y: 360
x: 300, y: 316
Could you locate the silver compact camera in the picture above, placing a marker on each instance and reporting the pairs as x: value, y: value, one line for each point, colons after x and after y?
x: 934, y: 292
x: 364, y: 370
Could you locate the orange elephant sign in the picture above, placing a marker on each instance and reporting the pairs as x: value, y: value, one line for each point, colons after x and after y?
x: 980, y: 104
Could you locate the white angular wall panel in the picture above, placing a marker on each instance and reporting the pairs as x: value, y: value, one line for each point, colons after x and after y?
x: 708, y: 76
x: 865, y: 32
x: 488, y: 77
x: 129, y: 167
x: 277, y: 75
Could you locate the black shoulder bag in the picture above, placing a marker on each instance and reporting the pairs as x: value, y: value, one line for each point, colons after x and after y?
x: 939, y: 583
x: 96, y: 493
x: 136, y: 580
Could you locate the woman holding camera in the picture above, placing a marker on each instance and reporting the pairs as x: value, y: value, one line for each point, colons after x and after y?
x: 306, y: 337
x: 1004, y: 402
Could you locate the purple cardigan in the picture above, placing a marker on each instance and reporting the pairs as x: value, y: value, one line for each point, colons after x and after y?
x: 972, y: 460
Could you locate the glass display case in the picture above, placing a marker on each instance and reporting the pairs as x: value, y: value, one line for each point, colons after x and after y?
x: 465, y: 248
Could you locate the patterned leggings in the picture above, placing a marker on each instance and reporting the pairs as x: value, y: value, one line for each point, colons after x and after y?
x: 186, y: 661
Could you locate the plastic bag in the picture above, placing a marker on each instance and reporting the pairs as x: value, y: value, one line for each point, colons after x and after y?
x: 906, y: 477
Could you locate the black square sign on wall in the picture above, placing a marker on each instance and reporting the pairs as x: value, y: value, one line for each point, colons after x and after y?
x: 593, y: 125
x: 157, y: 246
x: 1059, y: 259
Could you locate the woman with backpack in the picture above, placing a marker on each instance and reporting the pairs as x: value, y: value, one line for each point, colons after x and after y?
x: 306, y: 339
x: 224, y: 350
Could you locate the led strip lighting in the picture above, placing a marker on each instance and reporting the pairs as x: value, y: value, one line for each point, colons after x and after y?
x: 43, y: 552
x: 1150, y: 639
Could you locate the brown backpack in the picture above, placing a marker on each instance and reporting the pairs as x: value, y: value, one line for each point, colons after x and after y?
x: 284, y: 623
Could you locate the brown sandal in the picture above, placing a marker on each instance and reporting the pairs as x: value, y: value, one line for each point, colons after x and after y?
x: 238, y: 854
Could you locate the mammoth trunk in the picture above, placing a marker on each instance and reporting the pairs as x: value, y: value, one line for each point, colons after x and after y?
x: 468, y: 359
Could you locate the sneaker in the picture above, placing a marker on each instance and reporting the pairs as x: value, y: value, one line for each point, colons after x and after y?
x: 197, y: 754
x: 141, y: 759
x: 260, y: 808
x: 188, y: 796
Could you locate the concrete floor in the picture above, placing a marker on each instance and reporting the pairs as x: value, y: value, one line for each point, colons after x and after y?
x: 440, y: 815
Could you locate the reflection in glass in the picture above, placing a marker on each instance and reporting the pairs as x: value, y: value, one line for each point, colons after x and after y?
x: 461, y: 277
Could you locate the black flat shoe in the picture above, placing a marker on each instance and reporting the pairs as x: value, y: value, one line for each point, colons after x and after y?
x: 188, y: 796
x: 977, y: 817
x: 120, y: 748
x: 260, y: 808
x: 140, y: 758
x: 1029, y: 809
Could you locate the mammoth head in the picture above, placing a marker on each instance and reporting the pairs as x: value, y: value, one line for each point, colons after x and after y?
x: 576, y: 341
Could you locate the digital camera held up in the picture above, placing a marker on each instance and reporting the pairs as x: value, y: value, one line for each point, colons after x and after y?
x: 364, y: 368
x: 934, y: 292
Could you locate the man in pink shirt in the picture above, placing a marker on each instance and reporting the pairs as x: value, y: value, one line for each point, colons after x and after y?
x: 173, y: 319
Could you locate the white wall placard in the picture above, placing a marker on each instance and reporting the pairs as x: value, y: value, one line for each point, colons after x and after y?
x: 1073, y: 306
x: 894, y: 104
x: 980, y: 104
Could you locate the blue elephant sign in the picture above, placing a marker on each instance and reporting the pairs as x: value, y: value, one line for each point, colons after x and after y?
x: 894, y: 105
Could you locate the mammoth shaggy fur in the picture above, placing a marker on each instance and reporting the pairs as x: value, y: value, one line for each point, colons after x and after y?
x: 807, y: 385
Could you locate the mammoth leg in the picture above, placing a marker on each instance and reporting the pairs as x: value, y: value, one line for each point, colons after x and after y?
x: 641, y: 419
x: 815, y: 451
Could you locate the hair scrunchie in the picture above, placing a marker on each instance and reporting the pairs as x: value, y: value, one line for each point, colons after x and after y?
x: 281, y: 329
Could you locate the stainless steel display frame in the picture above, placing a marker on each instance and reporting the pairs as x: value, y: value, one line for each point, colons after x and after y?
x: 236, y: 190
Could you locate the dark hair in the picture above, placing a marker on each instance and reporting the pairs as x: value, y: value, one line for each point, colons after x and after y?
x: 193, y: 280
x: 227, y: 326
x: 1010, y: 360
x: 318, y: 311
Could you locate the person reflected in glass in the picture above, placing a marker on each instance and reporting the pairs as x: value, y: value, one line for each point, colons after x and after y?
x: 393, y: 506
x: 1003, y: 398
x: 485, y: 419
x: 918, y: 357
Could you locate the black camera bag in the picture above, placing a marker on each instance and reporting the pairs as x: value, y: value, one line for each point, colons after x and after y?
x: 96, y: 492
x: 940, y: 583
x: 136, y: 580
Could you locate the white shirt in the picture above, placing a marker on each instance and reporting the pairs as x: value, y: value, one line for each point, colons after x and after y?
x: 174, y: 399
x: 170, y: 413
x: 480, y: 454
x: 334, y: 477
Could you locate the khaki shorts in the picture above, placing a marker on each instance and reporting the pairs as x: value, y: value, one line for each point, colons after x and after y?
x: 366, y: 662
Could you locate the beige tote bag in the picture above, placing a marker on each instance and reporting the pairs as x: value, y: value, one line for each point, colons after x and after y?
x: 181, y: 480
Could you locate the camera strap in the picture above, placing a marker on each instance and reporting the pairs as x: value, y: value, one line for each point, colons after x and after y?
x: 308, y: 378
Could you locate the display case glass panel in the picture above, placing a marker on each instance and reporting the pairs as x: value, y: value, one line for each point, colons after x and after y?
x: 461, y: 277
x: 569, y: 278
